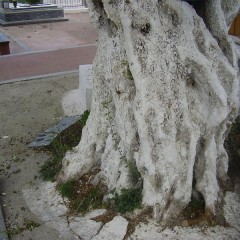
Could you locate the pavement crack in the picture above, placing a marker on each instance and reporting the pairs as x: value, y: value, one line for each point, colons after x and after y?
x: 78, y: 237
x: 98, y: 230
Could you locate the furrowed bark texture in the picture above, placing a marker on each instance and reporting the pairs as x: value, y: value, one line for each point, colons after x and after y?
x: 165, y: 94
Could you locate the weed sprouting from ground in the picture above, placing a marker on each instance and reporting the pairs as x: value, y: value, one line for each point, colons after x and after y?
x: 28, y: 225
x: 93, y: 199
x: 67, y: 189
x: 53, y: 165
x: 83, y: 196
x: 128, y: 200
x: 127, y: 72
x: 64, y: 142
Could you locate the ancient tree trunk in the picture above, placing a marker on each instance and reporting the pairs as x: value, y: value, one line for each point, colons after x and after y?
x: 165, y: 94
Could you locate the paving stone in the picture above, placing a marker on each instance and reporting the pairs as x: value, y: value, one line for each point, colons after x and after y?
x: 116, y: 229
x: 95, y: 213
x: 85, y: 228
x: 43, y: 140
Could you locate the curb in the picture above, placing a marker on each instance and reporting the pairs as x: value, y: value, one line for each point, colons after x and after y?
x: 38, y: 77
x: 44, y: 51
x: 47, y: 20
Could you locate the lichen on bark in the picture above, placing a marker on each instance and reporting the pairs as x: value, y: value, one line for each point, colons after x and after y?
x: 166, y: 91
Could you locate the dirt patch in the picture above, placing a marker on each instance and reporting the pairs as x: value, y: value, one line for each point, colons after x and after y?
x: 27, y: 108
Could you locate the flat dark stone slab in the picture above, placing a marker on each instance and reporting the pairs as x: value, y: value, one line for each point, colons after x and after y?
x: 63, y: 124
x: 31, y: 15
x: 46, y: 138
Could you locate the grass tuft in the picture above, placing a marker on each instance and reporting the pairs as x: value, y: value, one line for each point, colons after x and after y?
x: 67, y: 189
x: 28, y: 225
x: 92, y: 200
x: 128, y: 200
x: 134, y: 174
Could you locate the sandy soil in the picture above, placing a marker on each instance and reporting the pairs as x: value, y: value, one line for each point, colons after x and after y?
x: 27, y: 108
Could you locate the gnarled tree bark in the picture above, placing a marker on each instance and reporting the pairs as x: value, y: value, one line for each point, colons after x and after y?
x: 165, y: 94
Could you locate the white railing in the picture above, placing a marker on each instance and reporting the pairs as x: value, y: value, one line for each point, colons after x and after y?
x: 68, y: 4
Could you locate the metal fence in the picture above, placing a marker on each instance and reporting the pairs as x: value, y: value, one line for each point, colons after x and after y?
x: 68, y: 4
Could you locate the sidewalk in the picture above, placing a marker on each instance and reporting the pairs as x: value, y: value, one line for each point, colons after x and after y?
x: 41, y: 49
x: 47, y: 62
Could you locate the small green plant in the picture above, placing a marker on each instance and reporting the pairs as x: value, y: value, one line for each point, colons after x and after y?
x: 92, y: 200
x: 15, y: 158
x: 28, y: 225
x: 128, y: 200
x: 84, y: 117
x: 82, y: 195
x: 67, y: 189
x: 64, y: 142
x: 50, y: 169
x: 127, y: 72
x: 134, y: 174
x: 54, y: 164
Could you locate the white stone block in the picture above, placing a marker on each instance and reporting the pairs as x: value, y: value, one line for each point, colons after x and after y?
x: 85, y: 86
x: 76, y: 101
